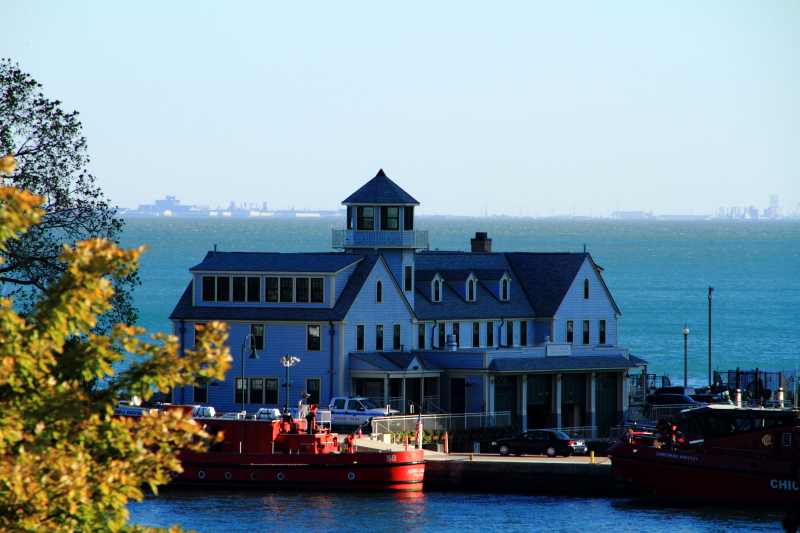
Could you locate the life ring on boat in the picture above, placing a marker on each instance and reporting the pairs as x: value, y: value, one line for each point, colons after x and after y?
x: 280, y: 476
x: 228, y: 475
x: 351, y: 476
x: 253, y: 475
x: 201, y: 474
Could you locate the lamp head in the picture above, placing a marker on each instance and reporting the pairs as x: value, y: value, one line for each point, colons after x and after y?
x: 685, y: 330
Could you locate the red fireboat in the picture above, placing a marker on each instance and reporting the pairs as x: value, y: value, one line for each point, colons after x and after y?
x: 718, y: 453
x: 270, y: 450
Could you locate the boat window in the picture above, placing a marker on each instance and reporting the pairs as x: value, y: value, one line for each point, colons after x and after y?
x: 786, y: 439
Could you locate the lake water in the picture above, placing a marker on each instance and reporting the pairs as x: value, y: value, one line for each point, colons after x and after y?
x: 658, y: 273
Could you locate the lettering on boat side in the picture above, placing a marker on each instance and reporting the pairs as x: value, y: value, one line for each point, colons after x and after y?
x: 676, y: 456
x: 784, y: 484
x: 767, y: 440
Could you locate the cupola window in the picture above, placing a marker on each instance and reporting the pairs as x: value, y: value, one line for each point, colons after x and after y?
x: 471, y: 290
x: 586, y: 289
x: 390, y: 218
x: 437, y: 290
x: 505, y: 290
x: 366, y: 218
x: 379, y: 292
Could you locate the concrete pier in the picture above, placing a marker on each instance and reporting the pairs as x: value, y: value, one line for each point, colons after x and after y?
x: 527, y: 473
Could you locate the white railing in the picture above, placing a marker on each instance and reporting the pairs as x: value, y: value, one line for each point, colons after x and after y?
x: 389, y: 424
x: 343, y: 238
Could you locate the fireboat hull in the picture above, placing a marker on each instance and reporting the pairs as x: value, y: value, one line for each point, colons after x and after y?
x: 689, y: 475
x: 384, y: 471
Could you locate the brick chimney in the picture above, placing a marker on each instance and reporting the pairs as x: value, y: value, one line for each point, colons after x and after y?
x: 481, y: 243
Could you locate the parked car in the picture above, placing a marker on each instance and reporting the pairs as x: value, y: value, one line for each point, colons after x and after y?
x: 670, y: 399
x: 688, y: 391
x: 355, y: 411
x: 550, y: 442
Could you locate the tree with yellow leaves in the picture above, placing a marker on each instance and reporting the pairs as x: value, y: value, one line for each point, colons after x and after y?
x: 66, y: 463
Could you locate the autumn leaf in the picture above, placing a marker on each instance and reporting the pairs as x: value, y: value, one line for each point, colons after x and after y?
x: 7, y: 164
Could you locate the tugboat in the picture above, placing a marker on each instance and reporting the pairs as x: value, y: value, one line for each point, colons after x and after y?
x: 720, y: 453
x: 271, y: 450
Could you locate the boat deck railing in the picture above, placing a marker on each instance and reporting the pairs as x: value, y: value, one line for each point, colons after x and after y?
x: 658, y: 412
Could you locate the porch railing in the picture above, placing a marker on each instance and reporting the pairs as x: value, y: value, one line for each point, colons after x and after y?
x: 389, y: 424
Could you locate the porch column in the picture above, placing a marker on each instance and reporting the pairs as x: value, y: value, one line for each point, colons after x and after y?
x: 524, y: 409
x: 404, y: 410
x: 386, y: 391
x: 557, y: 399
x: 593, y: 401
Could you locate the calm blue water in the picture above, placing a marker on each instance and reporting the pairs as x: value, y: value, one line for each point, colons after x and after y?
x: 657, y: 271
x: 256, y: 512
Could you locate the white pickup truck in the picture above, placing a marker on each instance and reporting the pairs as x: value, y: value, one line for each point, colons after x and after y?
x: 355, y: 411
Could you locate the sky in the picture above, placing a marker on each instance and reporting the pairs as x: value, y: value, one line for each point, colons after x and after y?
x: 520, y: 108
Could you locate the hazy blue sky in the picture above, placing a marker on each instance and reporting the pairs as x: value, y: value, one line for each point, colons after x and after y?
x: 532, y: 108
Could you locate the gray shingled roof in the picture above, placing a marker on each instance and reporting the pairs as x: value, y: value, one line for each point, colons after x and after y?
x: 590, y: 362
x: 454, y: 307
x: 393, y: 361
x: 292, y: 312
x: 380, y: 190
x: 546, y: 277
x: 323, y: 262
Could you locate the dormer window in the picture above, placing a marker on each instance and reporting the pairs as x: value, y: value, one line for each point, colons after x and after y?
x: 437, y: 290
x: 504, y: 293
x: 366, y: 218
x: 379, y: 291
x: 471, y: 290
x: 586, y: 289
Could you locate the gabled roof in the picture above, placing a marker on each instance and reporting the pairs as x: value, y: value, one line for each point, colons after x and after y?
x: 380, y: 190
x: 323, y: 262
x: 291, y: 312
x: 393, y: 361
x: 453, y: 306
x: 546, y: 277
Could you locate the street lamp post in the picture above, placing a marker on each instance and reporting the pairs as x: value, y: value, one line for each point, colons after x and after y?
x: 288, y: 361
x: 710, y: 290
x: 685, y: 356
x: 253, y: 355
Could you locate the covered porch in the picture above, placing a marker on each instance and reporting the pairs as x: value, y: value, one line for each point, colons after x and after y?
x: 401, y: 380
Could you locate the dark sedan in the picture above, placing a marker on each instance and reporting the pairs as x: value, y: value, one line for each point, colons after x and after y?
x: 540, y: 441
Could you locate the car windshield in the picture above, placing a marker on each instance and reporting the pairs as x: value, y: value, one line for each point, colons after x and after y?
x: 368, y: 404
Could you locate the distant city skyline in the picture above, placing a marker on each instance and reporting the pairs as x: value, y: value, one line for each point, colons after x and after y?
x: 774, y: 210
x: 515, y: 108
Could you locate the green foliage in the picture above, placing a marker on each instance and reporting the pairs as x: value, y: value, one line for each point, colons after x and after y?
x: 51, y: 153
x: 66, y: 463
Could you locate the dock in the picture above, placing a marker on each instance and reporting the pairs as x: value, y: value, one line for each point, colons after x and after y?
x: 576, y: 475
